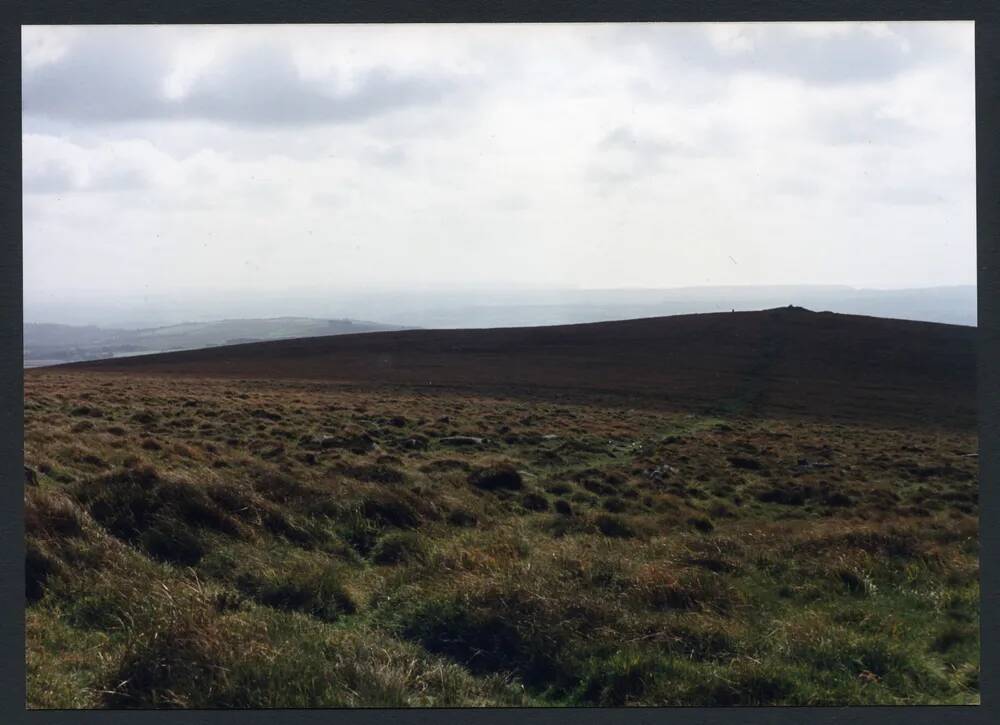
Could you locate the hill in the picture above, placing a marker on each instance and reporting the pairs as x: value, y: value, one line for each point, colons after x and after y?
x: 525, y: 516
x: 784, y: 361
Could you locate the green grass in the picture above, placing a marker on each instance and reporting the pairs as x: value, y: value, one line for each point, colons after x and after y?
x: 579, y: 556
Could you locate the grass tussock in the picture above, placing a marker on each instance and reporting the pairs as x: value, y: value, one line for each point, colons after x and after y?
x: 208, y: 544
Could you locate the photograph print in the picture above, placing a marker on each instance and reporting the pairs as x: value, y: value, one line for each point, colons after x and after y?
x: 500, y: 365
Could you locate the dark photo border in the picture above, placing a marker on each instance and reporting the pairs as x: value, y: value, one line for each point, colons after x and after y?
x: 13, y: 14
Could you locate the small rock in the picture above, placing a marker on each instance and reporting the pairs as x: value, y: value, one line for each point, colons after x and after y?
x: 462, y: 441
x: 659, y: 472
x: 415, y: 443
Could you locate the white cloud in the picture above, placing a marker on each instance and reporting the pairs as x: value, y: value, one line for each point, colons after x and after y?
x: 231, y: 158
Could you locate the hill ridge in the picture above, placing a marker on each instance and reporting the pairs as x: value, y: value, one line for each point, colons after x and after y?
x: 786, y: 360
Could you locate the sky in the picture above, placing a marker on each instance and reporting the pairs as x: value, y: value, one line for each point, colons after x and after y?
x: 172, y: 161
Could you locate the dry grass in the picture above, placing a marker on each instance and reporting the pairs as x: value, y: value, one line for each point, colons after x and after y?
x: 207, y: 543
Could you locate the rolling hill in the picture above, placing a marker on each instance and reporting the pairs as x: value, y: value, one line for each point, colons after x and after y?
x: 783, y: 361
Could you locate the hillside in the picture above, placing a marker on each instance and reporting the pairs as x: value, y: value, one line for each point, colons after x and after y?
x: 785, y: 361
x: 213, y: 543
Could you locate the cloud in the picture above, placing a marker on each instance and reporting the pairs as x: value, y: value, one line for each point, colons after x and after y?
x: 818, y: 53
x: 627, y: 154
x: 56, y: 166
x: 119, y: 76
x: 866, y: 127
x: 239, y: 158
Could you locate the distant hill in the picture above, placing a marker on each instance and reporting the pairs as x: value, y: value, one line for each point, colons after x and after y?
x: 784, y: 361
x: 952, y: 305
x: 506, y: 307
x: 49, y: 344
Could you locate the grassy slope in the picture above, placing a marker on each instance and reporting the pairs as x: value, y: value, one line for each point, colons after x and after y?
x: 209, y: 543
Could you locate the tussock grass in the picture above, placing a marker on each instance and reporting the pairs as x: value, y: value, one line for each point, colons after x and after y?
x: 209, y: 544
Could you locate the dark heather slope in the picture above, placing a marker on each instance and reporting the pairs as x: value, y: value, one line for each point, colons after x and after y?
x: 786, y: 361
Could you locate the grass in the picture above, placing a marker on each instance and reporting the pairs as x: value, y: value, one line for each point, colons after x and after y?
x: 199, y: 543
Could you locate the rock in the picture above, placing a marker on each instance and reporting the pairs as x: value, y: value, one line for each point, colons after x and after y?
x: 415, y: 443
x: 659, y: 473
x: 462, y: 441
x: 30, y: 476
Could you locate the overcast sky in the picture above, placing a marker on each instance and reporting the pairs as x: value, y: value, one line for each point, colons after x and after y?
x: 173, y: 160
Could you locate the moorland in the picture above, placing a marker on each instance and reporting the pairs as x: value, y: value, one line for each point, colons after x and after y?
x: 763, y: 508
